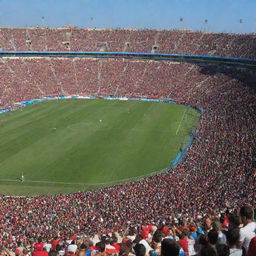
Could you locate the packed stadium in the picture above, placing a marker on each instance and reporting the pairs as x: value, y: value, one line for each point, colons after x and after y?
x: 127, y: 142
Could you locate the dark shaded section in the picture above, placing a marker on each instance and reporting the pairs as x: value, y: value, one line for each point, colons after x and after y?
x: 246, y: 75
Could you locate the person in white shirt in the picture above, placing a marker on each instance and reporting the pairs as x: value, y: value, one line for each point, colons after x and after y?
x: 147, y: 246
x: 48, y: 246
x: 247, y: 232
x: 72, y: 247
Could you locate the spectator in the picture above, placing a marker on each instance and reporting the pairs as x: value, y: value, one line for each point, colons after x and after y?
x: 233, y: 241
x: 222, y: 250
x: 170, y: 248
x: 213, y: 238
x: 208, y: 251
x: 252, y: 247
x: 39, y: 245
x: 48, y: 246
x: 42, y: 252
x: 100, y: 246
x: 187, y: 243
x: 221, y: 236
x: 247, y: 232
x: 140, y: 250
x: 234, y: 221
x: 72, y: 247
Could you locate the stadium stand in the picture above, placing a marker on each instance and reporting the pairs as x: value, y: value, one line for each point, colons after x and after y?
x: 115, y: 40
x: 218, y: 173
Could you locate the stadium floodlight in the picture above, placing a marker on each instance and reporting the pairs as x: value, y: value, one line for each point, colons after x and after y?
x: 43, y: 24
x: 205, y: 23
x: 181, y: 23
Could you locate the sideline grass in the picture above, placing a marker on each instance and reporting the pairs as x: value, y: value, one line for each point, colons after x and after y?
x: 65, y: 141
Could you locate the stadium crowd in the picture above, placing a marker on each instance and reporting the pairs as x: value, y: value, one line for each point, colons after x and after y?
x: 219, y: 171
x: 129, y: 40
x: 216, y: 234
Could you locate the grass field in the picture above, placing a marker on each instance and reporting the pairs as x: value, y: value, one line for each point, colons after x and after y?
x: 61, y: 146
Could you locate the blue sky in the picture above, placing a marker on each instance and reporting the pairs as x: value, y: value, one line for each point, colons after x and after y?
x: 221, y: 15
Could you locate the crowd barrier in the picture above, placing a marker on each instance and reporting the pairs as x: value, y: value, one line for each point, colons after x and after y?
x: 134, y: 55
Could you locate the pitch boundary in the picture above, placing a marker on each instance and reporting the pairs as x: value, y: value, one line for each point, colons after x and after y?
x: 179, y: 157
x: 84, y: 183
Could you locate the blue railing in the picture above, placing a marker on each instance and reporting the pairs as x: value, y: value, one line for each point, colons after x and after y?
x: 154, y: 56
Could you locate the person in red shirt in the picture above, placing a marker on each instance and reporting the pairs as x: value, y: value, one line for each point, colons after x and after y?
x: 187, y: 243
x: 39, y: 245
x: 55, y: 242
x: 184, y: 241
x: 25, y: 252
x: 71, y: 254
x: 114, y: 243
x: 252, y: 247
x: 40, y: 253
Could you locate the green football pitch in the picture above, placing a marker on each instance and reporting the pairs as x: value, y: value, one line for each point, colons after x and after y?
x: 63, y: 146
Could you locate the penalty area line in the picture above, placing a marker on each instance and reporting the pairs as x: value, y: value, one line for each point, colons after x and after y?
x: 178, y: 128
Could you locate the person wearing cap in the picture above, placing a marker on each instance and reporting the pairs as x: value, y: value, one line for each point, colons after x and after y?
x: 193, y: 234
